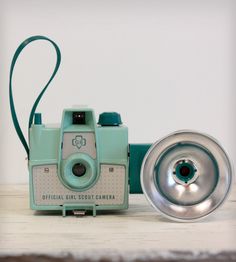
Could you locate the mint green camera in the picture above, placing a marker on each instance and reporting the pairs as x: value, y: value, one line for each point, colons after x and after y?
x: 79, y: 165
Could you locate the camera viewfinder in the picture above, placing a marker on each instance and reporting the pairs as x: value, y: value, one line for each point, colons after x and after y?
x: 78, y: 118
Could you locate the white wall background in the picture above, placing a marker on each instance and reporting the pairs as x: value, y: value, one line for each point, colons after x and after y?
x: 164, y: 65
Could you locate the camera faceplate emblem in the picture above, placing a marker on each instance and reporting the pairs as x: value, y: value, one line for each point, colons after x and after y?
x: 79, y: 141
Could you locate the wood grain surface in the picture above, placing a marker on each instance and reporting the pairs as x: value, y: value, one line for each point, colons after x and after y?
x: 140, y: 232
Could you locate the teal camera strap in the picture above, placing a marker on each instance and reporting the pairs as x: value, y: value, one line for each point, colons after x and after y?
x: 12, y: 105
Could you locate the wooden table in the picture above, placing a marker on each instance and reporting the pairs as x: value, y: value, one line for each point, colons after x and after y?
x: 138, y: 234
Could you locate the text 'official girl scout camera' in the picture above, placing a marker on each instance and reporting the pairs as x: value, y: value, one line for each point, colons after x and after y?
x: 83, y: 165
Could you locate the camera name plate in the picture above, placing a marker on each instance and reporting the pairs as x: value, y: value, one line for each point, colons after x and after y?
x: 109, y: 190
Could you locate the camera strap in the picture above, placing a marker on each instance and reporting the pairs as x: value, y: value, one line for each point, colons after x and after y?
x: 12, y: 105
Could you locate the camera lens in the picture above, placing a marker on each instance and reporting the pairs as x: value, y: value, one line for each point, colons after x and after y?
x: 79, y: 169
x: 184, y: 171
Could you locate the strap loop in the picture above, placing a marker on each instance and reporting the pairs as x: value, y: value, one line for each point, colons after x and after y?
x: 12, y: 105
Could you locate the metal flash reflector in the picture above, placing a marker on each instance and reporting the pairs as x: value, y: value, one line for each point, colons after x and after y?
x: 186, y: 175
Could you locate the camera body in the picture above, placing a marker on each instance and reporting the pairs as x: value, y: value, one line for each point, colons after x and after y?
x: 80, y: 165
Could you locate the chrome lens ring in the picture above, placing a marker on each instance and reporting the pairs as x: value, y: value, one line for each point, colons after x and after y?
x: 204, y: 191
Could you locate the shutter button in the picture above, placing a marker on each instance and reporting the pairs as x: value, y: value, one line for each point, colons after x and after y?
x: 109, y: 119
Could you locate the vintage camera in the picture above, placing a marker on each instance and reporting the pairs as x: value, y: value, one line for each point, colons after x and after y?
x: 79, y: 165
x: 83, y: 165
